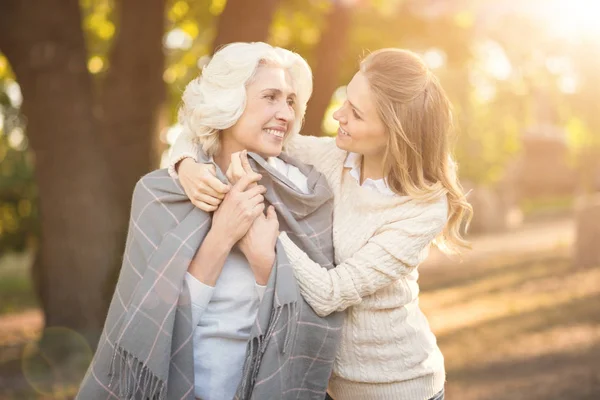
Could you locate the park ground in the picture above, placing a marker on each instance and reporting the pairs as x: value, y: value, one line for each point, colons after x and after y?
x: 514, y: 319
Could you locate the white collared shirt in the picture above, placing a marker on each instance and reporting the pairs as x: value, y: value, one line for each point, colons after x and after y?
x: 353, y: 161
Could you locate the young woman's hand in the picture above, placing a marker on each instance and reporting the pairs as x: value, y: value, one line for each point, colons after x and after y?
x: 201, y: 184
x: 240, y: 207
x: 258, y: 245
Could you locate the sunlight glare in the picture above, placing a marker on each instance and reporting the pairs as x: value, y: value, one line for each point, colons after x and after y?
x: 573, y: 19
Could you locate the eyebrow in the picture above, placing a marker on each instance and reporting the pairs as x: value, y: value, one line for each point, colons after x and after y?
x: 279, y: 91
x: 353, y: 106
x: 356, y: 108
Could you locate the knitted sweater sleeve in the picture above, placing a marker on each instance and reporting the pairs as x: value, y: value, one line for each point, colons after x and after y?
x: 309, y: 149
x: 184, y: 147
x: 392, y: 252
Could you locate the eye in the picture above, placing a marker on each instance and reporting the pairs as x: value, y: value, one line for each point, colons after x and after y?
x: 271, y: 97
x: 291, y: 102
x: 355, y: 114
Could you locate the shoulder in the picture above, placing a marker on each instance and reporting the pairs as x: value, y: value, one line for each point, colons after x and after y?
x: 156, y: 186
x: 158, y: 180
x: 416, y: 216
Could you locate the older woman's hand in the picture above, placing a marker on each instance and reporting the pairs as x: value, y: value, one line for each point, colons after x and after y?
x: 258, y: 245
x: 242, y: 205
x: 201, y: 184
x: 239, y: 167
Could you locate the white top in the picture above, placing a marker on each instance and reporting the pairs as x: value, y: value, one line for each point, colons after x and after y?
x: 353, y: 161
x: 387, y: 350
x: 223, y: 316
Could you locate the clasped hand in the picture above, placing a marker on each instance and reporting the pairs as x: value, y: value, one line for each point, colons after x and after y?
x: 240, y: 216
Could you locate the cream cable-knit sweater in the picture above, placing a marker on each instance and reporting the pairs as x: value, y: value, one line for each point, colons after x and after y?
x: 388, y: 350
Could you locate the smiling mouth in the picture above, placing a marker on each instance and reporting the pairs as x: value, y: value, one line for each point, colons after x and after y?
x: 343, y: 132
x: 274, y: 132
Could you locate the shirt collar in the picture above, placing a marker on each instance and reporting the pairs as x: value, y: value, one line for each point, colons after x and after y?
x: 353, y: 161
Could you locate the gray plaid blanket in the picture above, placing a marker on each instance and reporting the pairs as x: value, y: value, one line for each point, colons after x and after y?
x: 145, y: 350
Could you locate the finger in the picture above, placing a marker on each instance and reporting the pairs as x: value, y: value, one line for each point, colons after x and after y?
x: 246, y: 181
x: 271, y: 214
x: 210, y: 200
x: 204, y: 206
x: 209, y: 191
x: 229, y: 175
x: 236, y: 166
x: 257, y: 200
x: 257, y: 210
x: 255, y: 191
x: 245, y: 163
x: 216, y: 185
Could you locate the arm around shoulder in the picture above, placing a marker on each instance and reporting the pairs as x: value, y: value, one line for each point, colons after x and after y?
x: 393, y: 252
x: 184, y: 147
x: 309, y: 149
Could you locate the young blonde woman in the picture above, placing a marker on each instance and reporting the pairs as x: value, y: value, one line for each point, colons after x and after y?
x: 395, y: 192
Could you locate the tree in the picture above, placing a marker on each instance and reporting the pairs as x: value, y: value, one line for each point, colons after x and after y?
x: 80, y: 132
x: 329, y: 55
x: 94, y: 135
x: 246, y: 21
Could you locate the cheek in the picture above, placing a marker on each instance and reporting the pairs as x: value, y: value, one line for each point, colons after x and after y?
x: 382, y: 141
x: 376, y: 136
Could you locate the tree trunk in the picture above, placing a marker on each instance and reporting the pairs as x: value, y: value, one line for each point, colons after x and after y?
x: 587, y: 240
x: 133, y: 94
x: 44, y: 43
x: 329, y: 53
x: 245, y: 21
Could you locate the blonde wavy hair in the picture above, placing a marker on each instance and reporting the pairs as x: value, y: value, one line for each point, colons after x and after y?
x: 418, y: 116
x: 217, y: 98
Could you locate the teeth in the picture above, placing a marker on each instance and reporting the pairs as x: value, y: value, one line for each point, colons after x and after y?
x: 274, y: 132
x: 343, y: 132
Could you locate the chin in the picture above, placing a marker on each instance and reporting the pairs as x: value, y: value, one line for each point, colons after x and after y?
x: 268, y: 152
x: 341, y: 144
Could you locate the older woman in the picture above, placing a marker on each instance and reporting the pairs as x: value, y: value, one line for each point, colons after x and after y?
x: 205, y: 306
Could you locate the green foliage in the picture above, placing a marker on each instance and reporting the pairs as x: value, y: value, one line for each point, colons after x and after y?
x: 194, y: 24
x: 18, y: 192
x: 16, y: 287
x: 488, y: 132
x: 100, y: 26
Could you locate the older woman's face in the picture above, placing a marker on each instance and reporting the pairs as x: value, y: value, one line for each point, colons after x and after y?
x: 269, y: 113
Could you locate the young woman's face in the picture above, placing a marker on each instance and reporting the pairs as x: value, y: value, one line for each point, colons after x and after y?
x: 269, y: 114
x: 361, y: 129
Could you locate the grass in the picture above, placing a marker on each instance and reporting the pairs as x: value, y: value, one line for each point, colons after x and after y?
x: 16, y: 291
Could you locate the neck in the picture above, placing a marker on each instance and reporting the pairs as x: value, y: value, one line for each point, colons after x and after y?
x: 371, y: 168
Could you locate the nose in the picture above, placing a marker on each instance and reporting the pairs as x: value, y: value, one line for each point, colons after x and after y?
x: 285, y: 113
x: 339, y: 116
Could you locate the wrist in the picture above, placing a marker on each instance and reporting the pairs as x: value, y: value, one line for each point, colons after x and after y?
x: 261, y: 266
x: 220, y: 240
x: 207, y: 264
x: 181, y: 162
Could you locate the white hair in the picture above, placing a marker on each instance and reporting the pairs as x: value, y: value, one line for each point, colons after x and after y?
x: 217, y: 98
